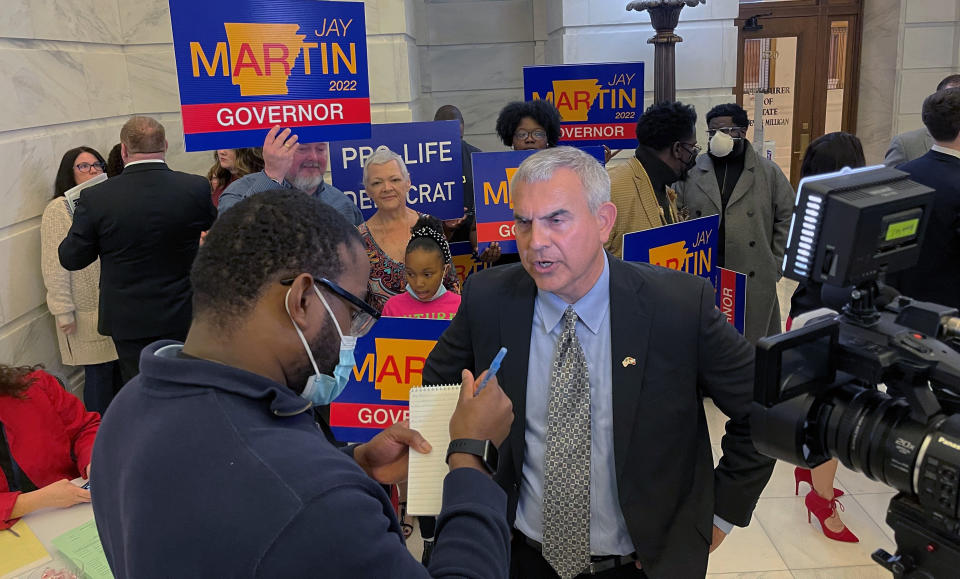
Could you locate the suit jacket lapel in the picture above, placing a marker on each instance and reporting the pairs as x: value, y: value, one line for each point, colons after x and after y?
x: 707, y: 180
x: 746, y: 177
x: 516, y: 317
x: 629, y: 338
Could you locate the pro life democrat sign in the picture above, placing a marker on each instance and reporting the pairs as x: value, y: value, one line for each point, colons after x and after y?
x: 433, y: 156
x: 244, y: 66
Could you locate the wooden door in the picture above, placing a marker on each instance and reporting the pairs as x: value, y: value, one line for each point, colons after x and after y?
x: 777, y: 64
x: 812, y: 49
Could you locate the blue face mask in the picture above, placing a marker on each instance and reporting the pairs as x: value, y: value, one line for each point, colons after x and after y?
x: 440, y: 291
x: 322, y: 389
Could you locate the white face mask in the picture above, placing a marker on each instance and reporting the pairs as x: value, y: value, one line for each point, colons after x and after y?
x: 440, y: 291
x: 721, y: 144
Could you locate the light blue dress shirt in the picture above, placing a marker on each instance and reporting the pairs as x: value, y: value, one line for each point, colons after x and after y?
x: 608, y: 529
x: 259, y: 182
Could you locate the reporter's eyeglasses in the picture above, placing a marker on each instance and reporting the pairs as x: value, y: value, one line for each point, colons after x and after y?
x: 362, y: 317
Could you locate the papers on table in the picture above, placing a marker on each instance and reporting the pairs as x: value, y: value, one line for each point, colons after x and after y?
x: 82, y: 546
x: 20, y: 551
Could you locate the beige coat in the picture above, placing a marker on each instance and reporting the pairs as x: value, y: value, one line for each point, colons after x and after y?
x: 637, y: 207
x: 758, y: 220
x: 72, y: 296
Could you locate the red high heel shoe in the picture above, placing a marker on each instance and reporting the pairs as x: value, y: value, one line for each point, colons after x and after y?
x: 803, y: 475
x: 823, y: 510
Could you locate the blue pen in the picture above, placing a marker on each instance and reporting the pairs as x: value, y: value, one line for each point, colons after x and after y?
x: 494, y: 368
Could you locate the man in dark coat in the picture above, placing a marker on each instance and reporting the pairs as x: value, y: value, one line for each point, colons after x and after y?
x: 936, y: 277
x: 608, y: 464
x: 144, y: 225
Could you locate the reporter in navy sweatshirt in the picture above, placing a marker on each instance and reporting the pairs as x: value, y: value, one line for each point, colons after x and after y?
x: 209, y: 463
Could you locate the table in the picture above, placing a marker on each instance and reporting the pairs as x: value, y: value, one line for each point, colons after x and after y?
x: 48, y: 524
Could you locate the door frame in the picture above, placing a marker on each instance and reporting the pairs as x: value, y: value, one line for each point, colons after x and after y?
x: 825, y: 12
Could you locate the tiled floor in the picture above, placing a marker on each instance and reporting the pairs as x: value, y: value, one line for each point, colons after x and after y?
x: 779, y: 543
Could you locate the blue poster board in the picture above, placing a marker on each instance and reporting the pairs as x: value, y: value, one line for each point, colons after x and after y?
x: 244, y: 66
x: 433, y: 156
x: 390, y: 360
x: 463, y: 260
x: 691, y: 246
x: 598, y: 103
x: 492, y: 173
x: 732, y: 297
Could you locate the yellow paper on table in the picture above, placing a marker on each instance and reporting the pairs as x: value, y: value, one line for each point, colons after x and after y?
x: 19, y: 554
x: 82, y: 546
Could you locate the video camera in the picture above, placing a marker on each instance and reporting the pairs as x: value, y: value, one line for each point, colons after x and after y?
x: 819, y: 389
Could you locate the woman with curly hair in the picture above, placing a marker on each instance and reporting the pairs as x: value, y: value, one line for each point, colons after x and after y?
x: 529, y: 125
x: 523, y: 126
x: 46, y: 438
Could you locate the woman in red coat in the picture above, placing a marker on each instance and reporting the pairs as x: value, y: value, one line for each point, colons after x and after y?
x: 46, y: 437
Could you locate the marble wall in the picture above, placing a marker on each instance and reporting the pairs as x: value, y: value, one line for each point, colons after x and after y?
x: 74, y: 71
x: 929, y: 51
x: 908, y: 48
x: 472, y: 52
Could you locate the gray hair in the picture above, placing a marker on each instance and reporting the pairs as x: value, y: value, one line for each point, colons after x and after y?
x: 382, y: 156
x: 541, y: 166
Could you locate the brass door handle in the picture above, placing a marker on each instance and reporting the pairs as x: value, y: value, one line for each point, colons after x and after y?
x: 804, y: 140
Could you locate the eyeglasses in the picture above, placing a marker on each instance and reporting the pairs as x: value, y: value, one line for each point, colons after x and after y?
x: 522, y: 135
x: 364, y: 316
x: 735, y: 132
x: 85, y: 167
x: 695, y: 148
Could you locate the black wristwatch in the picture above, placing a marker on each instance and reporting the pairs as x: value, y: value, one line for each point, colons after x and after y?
x: 485, y: 449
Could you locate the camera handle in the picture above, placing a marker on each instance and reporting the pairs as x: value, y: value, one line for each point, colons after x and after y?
x: 912, y: 381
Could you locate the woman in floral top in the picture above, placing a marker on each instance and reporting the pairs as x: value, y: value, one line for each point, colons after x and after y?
x: 387, y: 232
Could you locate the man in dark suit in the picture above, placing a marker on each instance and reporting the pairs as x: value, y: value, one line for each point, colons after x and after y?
x: 145, y: 226
x: 914, y: 144
x: 936, y: 277
x: 607, y: 468
x: 460, y: 229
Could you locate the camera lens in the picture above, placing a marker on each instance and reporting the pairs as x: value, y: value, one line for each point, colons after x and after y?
x: 872, y: 433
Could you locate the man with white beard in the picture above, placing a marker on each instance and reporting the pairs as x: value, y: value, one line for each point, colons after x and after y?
x: 289, y: 164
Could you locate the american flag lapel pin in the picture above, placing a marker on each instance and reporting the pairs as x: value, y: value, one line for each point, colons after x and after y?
x: 629, y: 361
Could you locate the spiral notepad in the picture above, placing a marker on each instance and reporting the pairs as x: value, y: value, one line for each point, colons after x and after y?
x: 430, y: 410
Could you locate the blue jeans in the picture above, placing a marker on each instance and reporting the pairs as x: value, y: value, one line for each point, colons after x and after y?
x: 101, y: 383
